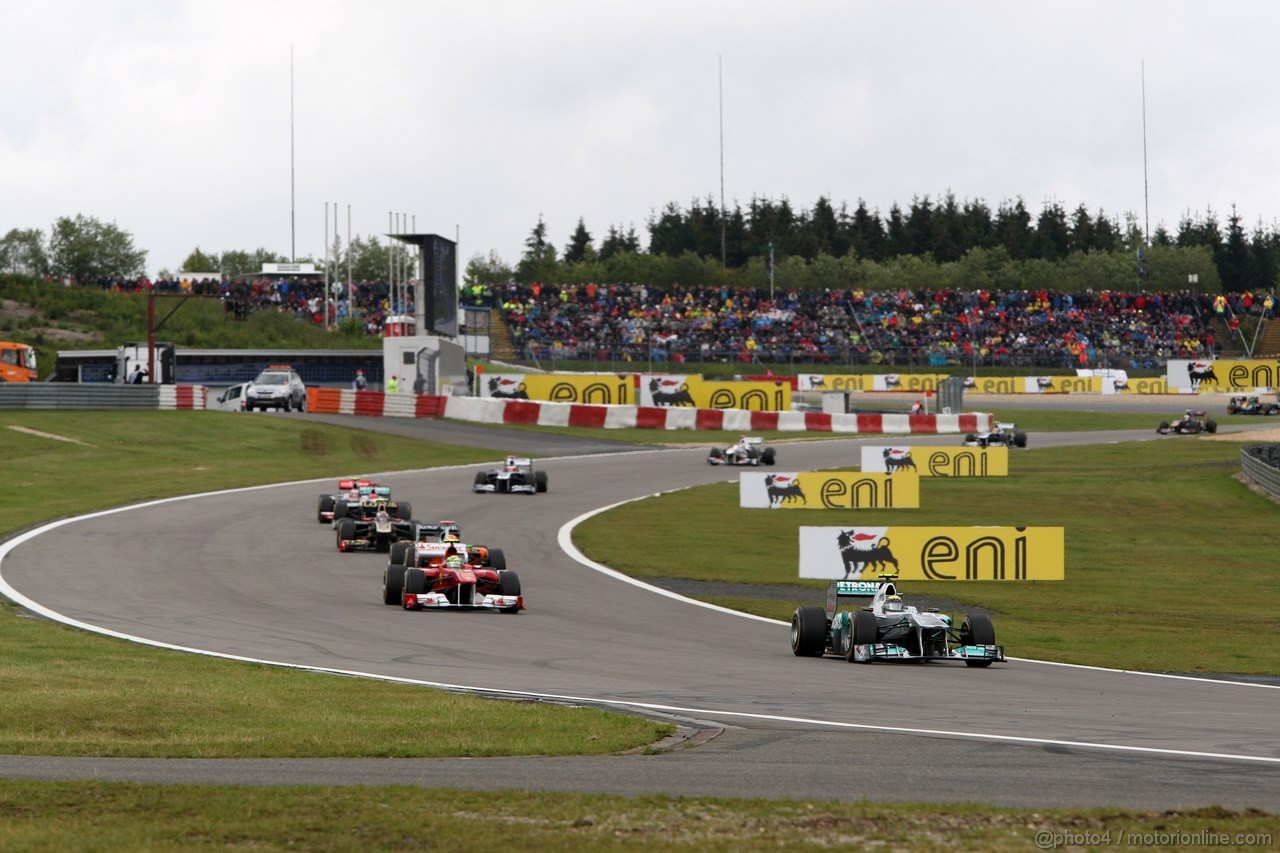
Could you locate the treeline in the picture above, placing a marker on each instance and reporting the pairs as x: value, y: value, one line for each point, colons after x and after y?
x: 958, y: 243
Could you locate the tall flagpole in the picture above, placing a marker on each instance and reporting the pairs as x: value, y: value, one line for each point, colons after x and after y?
x: 337, y: 259
x: 327, y: 292
x: 1146, y: 198
x: 723, y: 253
x: 293, y: 213
x: 351, y: 302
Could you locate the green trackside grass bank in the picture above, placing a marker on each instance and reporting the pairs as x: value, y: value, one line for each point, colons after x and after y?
x: 1158, y: 535
x: 145, y: 702
x: 70, y: 816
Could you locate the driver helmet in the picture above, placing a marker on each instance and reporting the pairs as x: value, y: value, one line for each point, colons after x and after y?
x: 893, y: 603
x: 454, y: 561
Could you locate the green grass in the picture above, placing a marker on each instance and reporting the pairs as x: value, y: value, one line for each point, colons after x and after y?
x: 103, y: 816
x: 1154, y: 533
x: 146, y: 702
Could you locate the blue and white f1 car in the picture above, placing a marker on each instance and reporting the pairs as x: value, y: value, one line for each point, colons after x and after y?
x: 515, y: 475
x: 887, y: 629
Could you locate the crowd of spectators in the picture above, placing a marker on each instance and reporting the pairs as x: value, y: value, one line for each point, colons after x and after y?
x: 302, y: 297
x: 636, y: 322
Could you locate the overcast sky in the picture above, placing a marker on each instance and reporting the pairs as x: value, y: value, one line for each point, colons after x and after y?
x: 172, y: 119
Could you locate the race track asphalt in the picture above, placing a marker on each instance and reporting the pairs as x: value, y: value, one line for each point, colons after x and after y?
x: 205, y: 573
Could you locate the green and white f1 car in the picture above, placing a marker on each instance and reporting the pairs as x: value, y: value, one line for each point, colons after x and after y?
x: 887, y: 629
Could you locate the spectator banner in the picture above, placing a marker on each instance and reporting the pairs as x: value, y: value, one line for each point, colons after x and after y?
x: 1256, y: 375
x: 936, y: 461
x: 933, y: 553
x: 607, y: 389
x: 915, y: 382
x: 827, y: 490
x: 695, y: 392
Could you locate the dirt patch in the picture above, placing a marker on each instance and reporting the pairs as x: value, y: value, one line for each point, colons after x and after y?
x: 16, y: 309
x: 313, y: 442
x: 1262, y: 435
x: 364, y: 446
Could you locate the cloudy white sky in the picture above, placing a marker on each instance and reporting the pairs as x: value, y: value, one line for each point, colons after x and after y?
x: 172, y: 119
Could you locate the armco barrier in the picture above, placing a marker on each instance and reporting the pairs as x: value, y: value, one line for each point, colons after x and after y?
x: 1261, y: 464
x: 72, y: 395
x: 497, y: 410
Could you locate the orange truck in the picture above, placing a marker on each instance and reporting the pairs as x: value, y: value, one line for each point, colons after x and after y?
x: 17, y: 362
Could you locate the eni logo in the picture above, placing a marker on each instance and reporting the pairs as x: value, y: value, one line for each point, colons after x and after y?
x: 987, y: 554
x: 863, y: 493
x: 756, y: 399
x: 595, y: 392
x: 965, y: 463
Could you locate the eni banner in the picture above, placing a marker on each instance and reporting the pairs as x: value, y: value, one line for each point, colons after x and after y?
x: 827, y: 490
x: 869, y: 381
x: 1223, y: 374
x: 694, y: 391
x: 936, y: 461
x: 593, y: 388
x: 1033, y: 384
x: 933, y: 553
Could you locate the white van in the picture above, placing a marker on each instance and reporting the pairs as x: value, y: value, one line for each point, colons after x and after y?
x: 231, y: 399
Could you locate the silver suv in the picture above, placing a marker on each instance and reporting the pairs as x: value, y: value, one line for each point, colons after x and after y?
x: 277, y: 387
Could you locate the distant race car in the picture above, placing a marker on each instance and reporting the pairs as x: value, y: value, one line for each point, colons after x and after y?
x: 515, y: 475
x: 348, y: 489
x: 888, y: 629
x: 367, y: 501
x: 452, y: 583
x: 1251, y: 406
x: 1004, y: 434
x: 1191, y: 423
x: 749, y: 450
x: 375, y: 528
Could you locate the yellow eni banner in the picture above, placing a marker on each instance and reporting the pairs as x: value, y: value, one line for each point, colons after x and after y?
x: 1033, y: 384
x: 693, y: 390
x: 869, y: 381
x: 827, y: 490
x: 1223, y: 374
x: 936, y: 461
x: 599, y: 389
x: 933, y: 553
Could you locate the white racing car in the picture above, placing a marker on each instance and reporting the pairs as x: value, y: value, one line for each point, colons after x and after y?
x: 749, y: 450
x: 888, y: 629
x: 515, y: 475
x: 1004, y: 434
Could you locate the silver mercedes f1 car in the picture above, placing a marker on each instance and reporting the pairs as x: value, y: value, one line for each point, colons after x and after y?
x: 888, y: 630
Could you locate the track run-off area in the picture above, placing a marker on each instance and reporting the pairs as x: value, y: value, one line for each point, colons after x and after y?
x: 250, y: 574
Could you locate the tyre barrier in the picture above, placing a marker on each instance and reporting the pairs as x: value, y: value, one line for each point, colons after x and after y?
x: 75, y: 395
x: 1260, y: 464
x: 535, y: 413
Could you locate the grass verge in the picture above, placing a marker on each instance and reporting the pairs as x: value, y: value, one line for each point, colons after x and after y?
x: 1154, y: 531
x: 194, y: 817
x: 145, y: 702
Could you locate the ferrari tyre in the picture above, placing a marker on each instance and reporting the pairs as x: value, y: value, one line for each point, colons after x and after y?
x: 397, y: 553
x: 509, y: 584
x: 392, y: 583
x: 404, y: 510
x: 768, y: 456
x: 977, y: 630
x: 325, y: 505
x: 497, y: 559
x: 415, y: 581
x: 808, y: 632
x: 1211, y: 425
x: 540, y: 481
x: 1020, y: 439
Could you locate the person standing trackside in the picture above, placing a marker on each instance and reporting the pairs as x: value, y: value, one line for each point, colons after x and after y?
x: 359, y: 384
x: 393, y: 385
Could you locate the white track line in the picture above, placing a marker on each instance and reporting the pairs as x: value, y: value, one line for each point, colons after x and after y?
x: 564, y: 537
